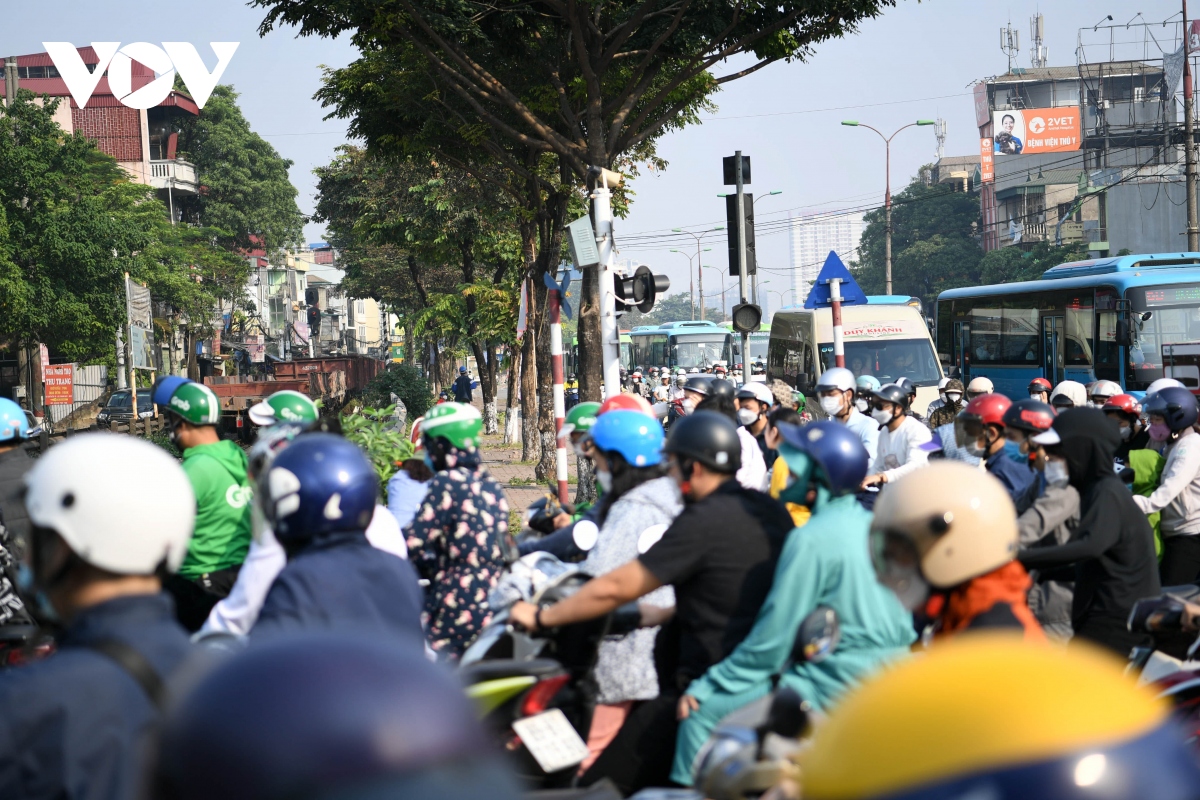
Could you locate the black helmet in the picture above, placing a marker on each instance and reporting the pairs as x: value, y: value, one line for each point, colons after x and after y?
x: 700, y: 384
x: 719, y: 387
x: 707, y: 437
x: 908, y: 386
x: 893, y: 393
x: 1031, y: 416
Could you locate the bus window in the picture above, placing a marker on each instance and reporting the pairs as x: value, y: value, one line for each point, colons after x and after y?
x: 1019, y: 333
x: 1107, y: 353
x: 1079, y: 331
x: 888, y: 359
x: 1175, y: 318
x: 986, y: 325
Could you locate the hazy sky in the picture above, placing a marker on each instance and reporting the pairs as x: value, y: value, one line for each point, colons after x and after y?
x: 915, y: 61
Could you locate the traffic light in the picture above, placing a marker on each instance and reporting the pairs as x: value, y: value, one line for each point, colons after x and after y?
x: 732, y: 227
x: 639, y: 290
x: 747, y: 317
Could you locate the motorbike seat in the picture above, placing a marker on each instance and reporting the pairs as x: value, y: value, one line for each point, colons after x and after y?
x: 509, y: 668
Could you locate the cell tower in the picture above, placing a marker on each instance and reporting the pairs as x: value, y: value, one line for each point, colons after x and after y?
x: 1039, y: 56
x: 1010, y: 43
x: 940, y: 131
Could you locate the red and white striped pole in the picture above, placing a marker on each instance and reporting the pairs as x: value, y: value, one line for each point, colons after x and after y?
x: 835, y: 300
x: 560, y: 405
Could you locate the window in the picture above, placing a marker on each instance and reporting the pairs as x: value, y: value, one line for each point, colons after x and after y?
x: 362, y: 335
x: 42, y: 72
x: 945, y: 333
x: 360, y: 307
x: 1019, y: 333
x: 887, y: 360
x: 1080, y: 323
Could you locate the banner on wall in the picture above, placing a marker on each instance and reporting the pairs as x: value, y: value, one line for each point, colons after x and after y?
x: 987, y: 164
x: 1035, y: 130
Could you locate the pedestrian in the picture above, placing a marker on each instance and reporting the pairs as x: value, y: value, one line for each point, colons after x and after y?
x: 217, y: 471
x: 1172, y: 413
x: 1113, y: 548
x: 899, y: 450
x: 110, y: 515
x: 462, y: 387
x: 983, y: 424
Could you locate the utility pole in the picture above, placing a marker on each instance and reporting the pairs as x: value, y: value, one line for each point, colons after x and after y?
x: 698, y: 238
x: 1193, y: 229
x: 610, y: 336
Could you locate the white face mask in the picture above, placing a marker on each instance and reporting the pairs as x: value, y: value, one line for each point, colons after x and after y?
x: 746, y: 416
x: 942, y: 396
x: 831, y: 405
x: 862, y: 405
x: 953, y: 397
x: 881, y: 416
x: 604, y: 479
x: 1126, y: 432
x: 1056, y: 472
x: 1035, y: 396
x: 689, y: 405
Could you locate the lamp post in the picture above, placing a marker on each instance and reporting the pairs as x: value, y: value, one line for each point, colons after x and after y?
x: 691, y: 284
x: 723, y: 289
x: 887, y: 197
x: 698, y: 237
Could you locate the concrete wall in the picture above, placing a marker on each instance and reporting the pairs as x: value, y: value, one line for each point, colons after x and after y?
x: 1147, y: 218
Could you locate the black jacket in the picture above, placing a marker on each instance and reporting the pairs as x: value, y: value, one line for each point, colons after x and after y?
x: 13, y: 466
x: 462, y: 389
x: 1113, y: 548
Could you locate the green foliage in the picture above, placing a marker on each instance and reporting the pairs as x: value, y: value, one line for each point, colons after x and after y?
x: 161, y: 439
x: 1009, y: 264
x: 385, y: 446
x: 247, y: 193
x: 672, y: 308
x: 407, y: 383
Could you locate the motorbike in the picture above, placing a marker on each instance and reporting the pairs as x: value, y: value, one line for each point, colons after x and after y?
x: 536, y: 692
x: 1171, y: 666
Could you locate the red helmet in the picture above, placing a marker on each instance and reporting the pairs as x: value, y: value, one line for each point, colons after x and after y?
x: 1125, y: 403
x: 1040, y: 385
x: 986, y: 408
x: 625, y: 402
x: 1032, y: 416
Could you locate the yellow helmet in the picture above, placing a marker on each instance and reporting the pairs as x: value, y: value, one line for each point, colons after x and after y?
x: 941, y: 525
x: 987, y: 716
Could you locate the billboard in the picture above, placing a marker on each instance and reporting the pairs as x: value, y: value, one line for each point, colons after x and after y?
x: 60, y: 384
x: 987, y: 165
x: 1035, y: 130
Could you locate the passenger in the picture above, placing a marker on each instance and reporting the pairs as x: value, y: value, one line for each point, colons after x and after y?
x: 1172, y: 413
x: 753, y: 471
x: 948, y: 411
x: 941, y: 399
x: 1039, y: 389
x: 983, y: 424
x: 1127, y: 412
x: 835, y: 392
x: 979, y: 386
x: 1068, y: 394
x: 780, y: 474
x: 754, y: 401
x: 899, y: 450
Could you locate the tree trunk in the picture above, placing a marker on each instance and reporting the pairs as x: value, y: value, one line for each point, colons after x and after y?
x: 591, y: 351
x: 585, y: 489
x: 512, y: 428
x: 544, y: 471
x: 487, y: 385
x: 530, y: 444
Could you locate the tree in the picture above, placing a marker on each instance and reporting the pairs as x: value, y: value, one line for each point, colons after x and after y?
x: 246, y: 190
x: 672, y: 308
x: 1009, y: 264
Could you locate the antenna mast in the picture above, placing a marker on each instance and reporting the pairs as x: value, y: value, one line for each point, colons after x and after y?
x: 1010, y: 43
x: 940, y: 132
x: 1039, y: 56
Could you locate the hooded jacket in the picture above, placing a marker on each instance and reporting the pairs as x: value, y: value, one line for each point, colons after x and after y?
x: 625, y: 665
x: 221, y: 538
x: 1113, y: 548
x: 946, y: 412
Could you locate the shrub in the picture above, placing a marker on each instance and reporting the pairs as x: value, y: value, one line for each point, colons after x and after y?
x: 407, y: 383
x: 371, y: 430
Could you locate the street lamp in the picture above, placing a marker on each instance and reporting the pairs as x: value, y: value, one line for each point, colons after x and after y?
x: 887, y: 197
x: 691, y: 284
x: 698, y: 237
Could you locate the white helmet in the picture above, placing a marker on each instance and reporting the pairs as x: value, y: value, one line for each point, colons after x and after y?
x: 980, y: 385
x: 1105, y: 390
x: 120, y: 503
x: 1072, y: 391
x: 838, y: 378
x: 1162, y: 383
x: 942, y: 384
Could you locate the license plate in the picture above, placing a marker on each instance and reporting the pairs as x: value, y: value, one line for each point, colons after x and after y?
x: 551, y: 740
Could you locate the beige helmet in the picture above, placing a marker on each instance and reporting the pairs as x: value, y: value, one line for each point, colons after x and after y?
x: 940, y: 526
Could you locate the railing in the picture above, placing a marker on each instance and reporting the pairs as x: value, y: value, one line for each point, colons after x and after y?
x: 181, y: 172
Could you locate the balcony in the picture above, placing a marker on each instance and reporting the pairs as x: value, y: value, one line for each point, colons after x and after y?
x: 177, y: 175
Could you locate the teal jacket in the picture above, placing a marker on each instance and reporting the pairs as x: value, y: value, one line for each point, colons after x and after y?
x: 826, y: 562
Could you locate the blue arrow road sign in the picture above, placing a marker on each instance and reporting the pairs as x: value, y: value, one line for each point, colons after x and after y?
x: 852, y: 295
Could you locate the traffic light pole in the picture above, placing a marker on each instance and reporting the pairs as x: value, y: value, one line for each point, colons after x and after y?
x: 741, y: 231
x: 610, y: 336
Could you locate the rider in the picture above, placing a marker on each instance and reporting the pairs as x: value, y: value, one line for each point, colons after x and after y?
x: 459, y: 539
x: 835, y: 392
x: 944, y: 726
x: 662, y: 392
x: 1068, y: 394
x: 109, y: 515
x: 983, y: 423
x: 14, y: 463
x: 1127, y: 412
x: 899, y: 451
x: 721, y: 398
x: 639, y: 503
x: 217, y: 471
x: 941, y: 400
x: 319, y: 496
x: 1102, y: 391
x: 979, y: 386
x: 825, y: 564
x: 865, y: 387
x: 754, y: 400
x: 1113, y: 547
x: 325, y: 716
x: 910, y: 389
x: 285, y: 406
x: 948, y: 412
x: 944, y: 539
x: 1039, y: 389
x: 1172, y: 413
x: 462, y: 386
x: 719, y: 555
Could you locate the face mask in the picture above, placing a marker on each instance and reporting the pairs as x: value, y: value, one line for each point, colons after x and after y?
x: 1159, y: 431
x: 832, y: 406
x: 1013, y: 451
x: 953, y: 397
x: 1035, y: 396
x: 881, y: 416
x: 688, y: 406
x: 1056, y: 473
x: 975, y: 450
x: 746, y: 417
x: 862, y: 405
x: 942, y: 396
x: 604, y: 479
x: 1126, y: 432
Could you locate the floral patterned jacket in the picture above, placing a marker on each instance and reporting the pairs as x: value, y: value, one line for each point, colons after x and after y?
x: 457, y: 542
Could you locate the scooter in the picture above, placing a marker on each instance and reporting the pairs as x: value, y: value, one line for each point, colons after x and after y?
x: 1172, y: 666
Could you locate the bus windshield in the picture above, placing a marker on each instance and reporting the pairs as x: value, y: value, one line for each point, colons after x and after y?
x: 758, y: 347
x: 888, y: 359
x: 698, y: 350
x: 1175, y: 318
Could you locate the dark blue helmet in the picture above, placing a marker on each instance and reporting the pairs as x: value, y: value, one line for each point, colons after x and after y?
x: 836, y: 450
x: 1176, y: 405
x: 320, y: 484
x: 327, y: 716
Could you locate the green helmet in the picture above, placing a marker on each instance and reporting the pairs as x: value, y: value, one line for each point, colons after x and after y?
x: 457, y: 423
x: 284, y: 406
x: 195, y: 403
x: 581, y: 418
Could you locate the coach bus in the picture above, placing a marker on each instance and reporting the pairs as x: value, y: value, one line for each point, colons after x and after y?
x: 1101, y: 319
x: 571, y: 357
x: 696, y: 343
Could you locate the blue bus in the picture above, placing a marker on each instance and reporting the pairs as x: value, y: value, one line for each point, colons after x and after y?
x: 1101, y: 319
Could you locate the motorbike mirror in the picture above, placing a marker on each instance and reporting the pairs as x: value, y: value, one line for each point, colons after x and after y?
x: 649, y: 537
x: 818, y: 636
x: 585, y: 533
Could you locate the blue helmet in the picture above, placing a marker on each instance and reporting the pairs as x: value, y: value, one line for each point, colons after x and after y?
x: 320, y: 484
x: 836, y: 450
x: 13, y: 423
x: 636, y: 436
x: 1176, y: 405
x: 325, y: 715
x: 164, y: 387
